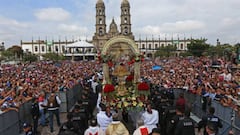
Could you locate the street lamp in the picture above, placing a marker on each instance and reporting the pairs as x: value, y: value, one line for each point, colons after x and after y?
x: 238, y: 53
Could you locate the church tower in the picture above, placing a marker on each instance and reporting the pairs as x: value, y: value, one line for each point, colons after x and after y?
x: 100, y: 18
x: 126, y: 19
x: 100, y: 36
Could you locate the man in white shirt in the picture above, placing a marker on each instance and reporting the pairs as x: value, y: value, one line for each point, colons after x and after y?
x: 141, y: 130
x: 150, y: 118
x: 102, y: 118
x: 94, y: 129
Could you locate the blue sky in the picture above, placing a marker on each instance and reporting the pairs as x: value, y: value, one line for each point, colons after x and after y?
x: 60, y: 19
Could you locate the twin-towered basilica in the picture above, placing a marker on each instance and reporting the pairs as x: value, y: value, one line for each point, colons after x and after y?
x: 147, y: 45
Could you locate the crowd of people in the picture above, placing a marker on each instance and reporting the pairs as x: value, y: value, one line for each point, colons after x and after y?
x: 33, y: 81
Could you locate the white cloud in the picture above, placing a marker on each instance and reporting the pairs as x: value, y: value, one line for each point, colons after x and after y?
x: 183, y: 26
x: 52, y: 14
x: 11, y: 23
x: 176, y: 27
x: 72, y: 28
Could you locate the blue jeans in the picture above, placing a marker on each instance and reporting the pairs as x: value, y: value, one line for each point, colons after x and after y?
x: 42, y: 117
x: 51, y: 113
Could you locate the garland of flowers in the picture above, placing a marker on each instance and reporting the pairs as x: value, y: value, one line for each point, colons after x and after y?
x: 143, y: 88
x: 104, y: 58
x: 131, y: 101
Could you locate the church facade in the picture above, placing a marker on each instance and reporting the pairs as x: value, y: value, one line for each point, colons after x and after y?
x: 146, y: 46
x: 101, y: 36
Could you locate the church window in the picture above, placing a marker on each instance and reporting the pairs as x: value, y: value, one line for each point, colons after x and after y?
x: 56, y: 48
x: 43, y: 48
x: 100, y: 12
x: 143, y: 46
x: 125, y: 20
x: 100, y: 21
x: 49, y: 48
x: 149, y: 46
x: 63, y: 48
x: 36, y: 48
x: 125, y: 11
x: 181, y: 46
x: 100, y: 31
x: 156, y: 46
x: 126, y: 30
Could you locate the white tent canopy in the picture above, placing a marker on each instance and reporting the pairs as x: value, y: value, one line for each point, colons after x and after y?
x: 80, y: 44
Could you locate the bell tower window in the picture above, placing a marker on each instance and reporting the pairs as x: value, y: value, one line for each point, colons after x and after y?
x: 100, y: 31
x: 100, y: 21
x: 125, y: 11
x: 125, y: 20
x: 125, y: 30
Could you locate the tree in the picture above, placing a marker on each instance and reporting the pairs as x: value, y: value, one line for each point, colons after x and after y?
x: 165, y: 51
x: 16, y: 50
x: 224, y: 50
x: 30, y: 57
x: 197, y: 47
x: 7, y: 54
x: 53, y: 56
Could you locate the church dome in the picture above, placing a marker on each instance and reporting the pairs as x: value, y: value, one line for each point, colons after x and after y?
x: 125, y: 2
x: 100, y: 2
x: 113, y: 27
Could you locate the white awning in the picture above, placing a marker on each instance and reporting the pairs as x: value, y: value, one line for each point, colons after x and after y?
x: 80, y: 44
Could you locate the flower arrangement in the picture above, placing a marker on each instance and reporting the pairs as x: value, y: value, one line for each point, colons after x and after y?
x: 108, y: 88
x: 131, y: 101
x: 143, y: 86
x: 129, y: 78
x: 104, y: 58
x: 139, y: 57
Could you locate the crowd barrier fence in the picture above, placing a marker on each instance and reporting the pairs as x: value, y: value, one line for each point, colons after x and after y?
x: 11, y: 122
x: 229, y: 117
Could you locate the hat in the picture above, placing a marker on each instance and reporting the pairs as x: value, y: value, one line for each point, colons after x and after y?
x: 26, y: 125
x: 102, y: 106
x: 211, y: 127
x: 93, y: 122
x: 115, y: 117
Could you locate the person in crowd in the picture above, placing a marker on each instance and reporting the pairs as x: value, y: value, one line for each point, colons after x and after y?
x: 67, y: 127
x: 166, y: 116
x: 172, y: 123
x: 85, y: 103
x: 181, y: 101
x: 156, y: 131
x: 27, y: 128
x: 53, y: 104
x: 35, y: 114
x: 186, y: 125
x: 42, y: 108
x: 150, y: 117
x: 94, y: 129
x: 210, y: 118
x: 141, y: 129
x: 103, y: 119
x: 116, y: 127
x: 210, y: 129
x: 79, y: 120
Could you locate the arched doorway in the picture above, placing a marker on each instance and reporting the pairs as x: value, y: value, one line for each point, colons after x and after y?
x: 120, y: 41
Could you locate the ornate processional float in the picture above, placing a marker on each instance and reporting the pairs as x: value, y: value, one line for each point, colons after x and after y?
x: 122, y: 86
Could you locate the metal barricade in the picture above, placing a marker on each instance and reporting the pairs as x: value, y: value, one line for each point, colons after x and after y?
x: 24, y: 114
x: 73, y: 96
x: 9, y: 123
x: 229, y: 118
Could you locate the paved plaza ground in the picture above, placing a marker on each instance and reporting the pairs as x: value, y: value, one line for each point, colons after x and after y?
x: 46, y: 130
